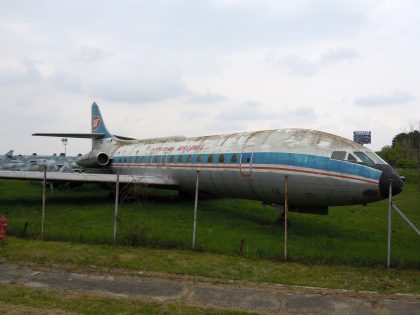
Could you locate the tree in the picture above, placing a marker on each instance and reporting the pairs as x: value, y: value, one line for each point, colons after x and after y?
x: 404, y: 151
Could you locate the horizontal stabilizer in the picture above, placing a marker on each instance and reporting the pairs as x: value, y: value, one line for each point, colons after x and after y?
x: 72, y: 135
x: 123, y: 138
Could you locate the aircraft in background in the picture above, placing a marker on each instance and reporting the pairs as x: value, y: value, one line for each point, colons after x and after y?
x: 35, y: 163
x: 9, y: 162
x: 7, y: 157
x: 323, y: 169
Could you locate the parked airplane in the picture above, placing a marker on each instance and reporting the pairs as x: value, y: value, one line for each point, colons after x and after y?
x: 323, y: 169
x: 9, y: 162
x: 7, y: 157
x: 35, y: 162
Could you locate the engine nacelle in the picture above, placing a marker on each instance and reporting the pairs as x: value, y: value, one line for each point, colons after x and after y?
x: 94, y: 159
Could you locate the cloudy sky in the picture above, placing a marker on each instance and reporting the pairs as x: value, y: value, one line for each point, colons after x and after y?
x: 191, y: 67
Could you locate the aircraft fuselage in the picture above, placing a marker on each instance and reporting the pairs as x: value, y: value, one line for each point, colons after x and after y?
x: 252, y: 165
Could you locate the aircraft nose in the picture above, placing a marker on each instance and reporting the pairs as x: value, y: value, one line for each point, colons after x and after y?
x: 389, y: 174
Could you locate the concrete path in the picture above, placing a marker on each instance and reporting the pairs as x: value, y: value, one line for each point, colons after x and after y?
x: 263, y: 298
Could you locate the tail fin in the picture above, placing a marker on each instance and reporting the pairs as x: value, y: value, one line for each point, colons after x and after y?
x: 98, y: 124
x: 9, y: 154
x: 99, y: 132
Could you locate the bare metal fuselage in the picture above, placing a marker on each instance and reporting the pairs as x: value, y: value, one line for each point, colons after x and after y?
x: 262, y: 160
x: 323, y: 169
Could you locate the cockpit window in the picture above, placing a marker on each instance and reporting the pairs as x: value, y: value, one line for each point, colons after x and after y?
x: 351, y: 158
x: 338, y: 155
x: 364, y: 157
x: 375, y: 158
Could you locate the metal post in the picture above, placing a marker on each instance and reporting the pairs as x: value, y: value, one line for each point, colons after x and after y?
x: 44, y: 188
x: 406, y: 219
x: 286, y: 192
x: 117, y: 192
x: 388, y: 262
x: 195, y: 211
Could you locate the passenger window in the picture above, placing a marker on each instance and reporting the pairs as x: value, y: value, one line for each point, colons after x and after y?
x: 210, y: 159
x: 180, y: 159
x: 189, y: 159
x: 164, y: 159
x: 351, y: 158
x: 234, y: 159
x: 155, y: 159
x: 171, y: 159
x: 246, y: 158
x: 222, y: 158
x: 338, y: 155
x: 199, y: 158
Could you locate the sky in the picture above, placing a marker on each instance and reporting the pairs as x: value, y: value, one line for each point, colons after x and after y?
x: 190, y: 67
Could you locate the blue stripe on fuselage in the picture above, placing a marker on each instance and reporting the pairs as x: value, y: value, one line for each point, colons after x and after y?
x: 316, y: 162
x: 267, y: 158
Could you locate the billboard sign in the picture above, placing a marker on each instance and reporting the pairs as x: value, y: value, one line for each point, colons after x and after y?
x: 362, y: 137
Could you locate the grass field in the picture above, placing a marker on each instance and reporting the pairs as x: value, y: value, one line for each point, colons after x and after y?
x: 15, y: 299
x: 217, y: 268
x: 355, y: 235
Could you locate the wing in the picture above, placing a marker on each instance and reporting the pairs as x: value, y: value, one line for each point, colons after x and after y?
x: 90, y: 178
x: 72, y: 135
x: 80, y: 135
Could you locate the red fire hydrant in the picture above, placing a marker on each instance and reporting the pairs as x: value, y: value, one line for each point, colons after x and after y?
x: 3, y: 227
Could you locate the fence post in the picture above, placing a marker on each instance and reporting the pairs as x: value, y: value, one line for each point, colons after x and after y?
x: 44, y: 184
x: 406, y: 219
x: 117, y: 192
x: 286, y: 210
x: 195, y: 211
x: 388, y: 261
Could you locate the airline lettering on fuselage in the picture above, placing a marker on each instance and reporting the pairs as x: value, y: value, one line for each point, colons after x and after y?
x: 182, y: 148
x: 162, y: 149
x: 195, y: 147
x: 96, y: 121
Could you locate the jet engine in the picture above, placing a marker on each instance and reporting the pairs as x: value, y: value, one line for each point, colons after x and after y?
x: 94, y: 159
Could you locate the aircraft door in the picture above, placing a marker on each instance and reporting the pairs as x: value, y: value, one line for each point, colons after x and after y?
x: 247, y: 155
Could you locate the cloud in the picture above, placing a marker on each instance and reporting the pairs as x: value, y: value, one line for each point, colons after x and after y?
x: 205, y: 98
x: 395, y: 98
x: 253, y: 111
x: 92, y: 54
x: 63, y: 80
x: 298, y: 66
x: 249, y: 110
x: 140, y: 89
x: 339, y: 55
x: 193, y: 114
x: 295, y: 64
x: 24, y: 72
x: 302, y: 114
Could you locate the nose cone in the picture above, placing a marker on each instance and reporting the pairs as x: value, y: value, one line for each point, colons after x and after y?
x: 389, y: 175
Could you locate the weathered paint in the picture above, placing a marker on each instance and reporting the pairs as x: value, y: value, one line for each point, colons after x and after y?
x: 263, y: 158
x: 304, y: 155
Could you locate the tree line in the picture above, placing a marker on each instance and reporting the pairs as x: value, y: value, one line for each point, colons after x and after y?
x: 404, y: 150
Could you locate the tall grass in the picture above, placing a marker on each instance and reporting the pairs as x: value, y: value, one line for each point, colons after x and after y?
x: 355, y: 235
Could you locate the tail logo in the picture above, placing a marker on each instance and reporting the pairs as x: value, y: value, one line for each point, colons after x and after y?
x: 96, y: 121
